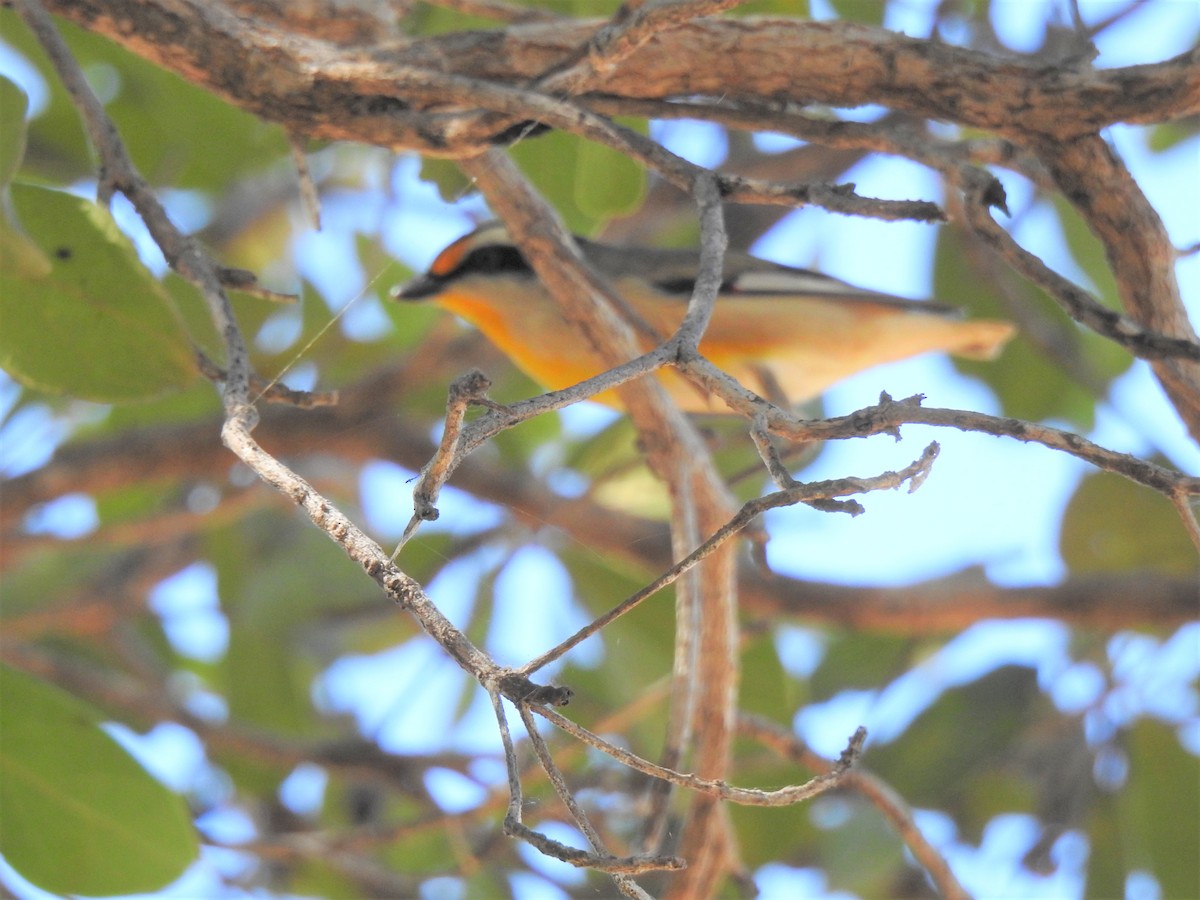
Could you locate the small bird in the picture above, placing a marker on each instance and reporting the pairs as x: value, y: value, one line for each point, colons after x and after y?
x: 776, y: 329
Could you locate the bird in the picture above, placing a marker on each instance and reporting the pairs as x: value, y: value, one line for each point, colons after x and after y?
x: 786, y: 333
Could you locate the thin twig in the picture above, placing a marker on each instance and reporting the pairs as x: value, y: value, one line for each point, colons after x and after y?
x: 501, y: 418
x: 465, y: 390
x: 1183, y: 504
x: 309, y: 197
x: 785, y: 796
x: 515, y: 803
x: 272, y: 392
x: 600, y: 858
x: 769, y: 454
x: 709, y: 276
x: 871, y: 786
x: 888, y: 415
x: 1078, y: 303
x: 818, y: 492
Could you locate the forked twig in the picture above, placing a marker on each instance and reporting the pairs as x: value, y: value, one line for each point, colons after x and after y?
x: 814, y: 492
x: 785, y: 796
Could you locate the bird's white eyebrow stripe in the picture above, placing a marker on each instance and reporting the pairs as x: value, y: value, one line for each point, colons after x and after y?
x: 794, y: 283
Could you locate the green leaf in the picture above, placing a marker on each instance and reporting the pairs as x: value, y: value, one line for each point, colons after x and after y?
x: 1114, y: 525
x: 449, y: 179
x: 867, y: 12
x: 81, y: 816
x: 856, y: 660
x: 953, y: 743
x: 550, y: 161
x: 1168, y: 135
x: 863, y: 854
x: 177, y: 133
x: 96, y: 326
x: 585, y: 182
x: 767, y: 688
x: 608, y: 183
x: 13, y: 104
x: 796, y: 9
x: 19, y: 258
x: 1087, y: 251
x: 1163, y: 796
x: 1056, y: 377
x: 429, y: 18
x: 1106, y: 866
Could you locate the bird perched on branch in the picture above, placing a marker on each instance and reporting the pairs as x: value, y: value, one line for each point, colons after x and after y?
x: 776, y: 329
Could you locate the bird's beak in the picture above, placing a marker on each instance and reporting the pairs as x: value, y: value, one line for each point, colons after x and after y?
x: 418, y: 288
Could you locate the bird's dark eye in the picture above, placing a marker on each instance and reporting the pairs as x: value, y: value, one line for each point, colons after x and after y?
x: 676, y: 285
x: 493, y: 259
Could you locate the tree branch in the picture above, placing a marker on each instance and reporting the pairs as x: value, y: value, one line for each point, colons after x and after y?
x: 303, y: 84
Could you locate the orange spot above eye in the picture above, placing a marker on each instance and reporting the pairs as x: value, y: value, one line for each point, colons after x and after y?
x: 447, y: 261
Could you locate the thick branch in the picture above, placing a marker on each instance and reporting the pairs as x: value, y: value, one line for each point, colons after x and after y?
x: 314, y: 88
x: 1140, y: 253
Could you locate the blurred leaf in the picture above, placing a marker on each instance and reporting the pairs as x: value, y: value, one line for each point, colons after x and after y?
x: 792, y: 8
x: 315, y: 877
x: 431, y: 18
x: 995, y: 793
x: 56, y: 147
x: 176, y: 133
x: 449, y: 179
x: 1114, y: 525
x: 425, y: 853
x: 267, y: 686
x: 17, y: 253
x: 1030, y: 383
x: 13, y: 104
x: 616, y: 469
x: 767, y: 688
x: 194, y: 404
x: 1106, y: 863
x: 295, y: 575
x: 865, y: 12
x: 251, y: 313
x: 860, y: 660
x: 1088, y: 252
x: 282, y: 586
x: 1168, y: 135
x: 266, y: 682
x: 133, y: 502
x: 81, y: 816
x: 585, y: 182
x: 636, y: 491
x: 1150, y: 824
x: 20, y: 258
x: 194, y: 311
x: 638, y: 647
x: 1163, y: 798
x: 608, y: 184
x: 775, y: 834
x: 426, y: 19
x: 516, y: 445
x: 967, y: 733
x: 551, y: 162
x: 264, y: 244
x: 97, y: 326
x: 612, y: 448
x: 861, y: 853
x: 585, y: 9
